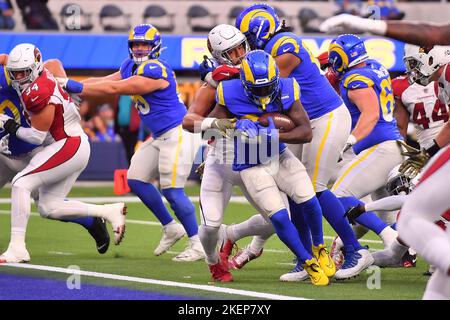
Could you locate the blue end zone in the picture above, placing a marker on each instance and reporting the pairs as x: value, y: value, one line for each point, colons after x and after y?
x: 15, y: 287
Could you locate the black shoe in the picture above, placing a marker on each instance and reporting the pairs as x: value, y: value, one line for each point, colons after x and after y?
x: 100, y: 234
x: 409, y: 260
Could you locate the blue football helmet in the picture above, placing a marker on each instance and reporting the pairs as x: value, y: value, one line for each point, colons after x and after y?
x: 260, y: 77
x: 346, y: 51
x: 258, y: 22
x: 148, y: 34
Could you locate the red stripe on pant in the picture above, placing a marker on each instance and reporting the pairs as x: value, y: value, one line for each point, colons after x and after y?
x: 68, y: 150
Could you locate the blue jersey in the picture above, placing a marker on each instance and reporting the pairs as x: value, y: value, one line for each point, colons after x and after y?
x: 318, y: 96
x: 231, y: 94
x: 376, y: 76
x: 10, y: 105
x: 160, y: 110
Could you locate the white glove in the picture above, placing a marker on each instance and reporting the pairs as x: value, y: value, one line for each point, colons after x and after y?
x: 350, y: 23
x: 4, y: 145
x: 3, y: 119
x: 350, y: 142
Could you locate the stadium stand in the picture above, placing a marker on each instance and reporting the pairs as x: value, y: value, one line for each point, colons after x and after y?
x: 112, y: 18
x: 159, y: 17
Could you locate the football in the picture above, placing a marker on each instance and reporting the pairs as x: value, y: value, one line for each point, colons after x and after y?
x: 282, y: 121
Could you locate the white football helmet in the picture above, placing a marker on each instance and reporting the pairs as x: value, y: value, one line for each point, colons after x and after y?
x: 24, y: 58
x: 222, y: 39
x: 398, y: 183
x: 422, y: 63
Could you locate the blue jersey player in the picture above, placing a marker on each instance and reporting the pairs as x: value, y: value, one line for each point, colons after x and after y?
x: 170, y: 152
x: 270, y: 168
x: 16, y: 153
x: 366, y: 88
x: 330, y: 119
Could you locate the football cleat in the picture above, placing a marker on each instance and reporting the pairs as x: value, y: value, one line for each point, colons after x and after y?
x: 15, y: 255
x: 296, y: 274
x: 243, y: 257
x: 355, y: 262
x: 193, y: 252
x: 409, y: 260
x: 171, y: 234
x: 220, y: 272
x: 315, y: 272
x: 117, y: 220
x: 430, y: 271
x: 336, y: 254
x: 99, y: 232
x: 390, y: 257
x: 226, y: 249
x: 325, y: 261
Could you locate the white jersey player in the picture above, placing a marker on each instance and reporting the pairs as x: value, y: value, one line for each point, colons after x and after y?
x: 55, y: 124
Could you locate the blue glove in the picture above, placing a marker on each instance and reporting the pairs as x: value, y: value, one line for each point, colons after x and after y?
x: 248, y: 127
x: 208, y: 65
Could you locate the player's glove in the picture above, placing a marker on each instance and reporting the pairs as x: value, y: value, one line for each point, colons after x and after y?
x: 4, y: 145
x: 415, y: 162
x: 350, y: 142
x: 247, y: 128
x: 349, y: 23
x: 208, y: 65
x: 8, y: 124
x: 354, y: 212
x: 224, y: 126
x: 70, y: 85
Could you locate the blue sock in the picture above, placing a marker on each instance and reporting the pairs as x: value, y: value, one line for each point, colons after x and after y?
x: 85, y: 222
x: 334, y: 212
x: 394, y: 226
x: 151, y: 197
x: 183, y: 209
x: 287, y: 233
x: 298, y: 219
x: 313, y: 216
x: 368, y: 219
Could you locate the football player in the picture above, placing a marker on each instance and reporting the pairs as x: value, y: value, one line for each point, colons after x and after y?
x: 228, y: 47
x: 266, y: 167
x: 170, y: 151
x: 15, y: 154
x: 54, y: 124
x: 366, y: 88
x: 330, y: 119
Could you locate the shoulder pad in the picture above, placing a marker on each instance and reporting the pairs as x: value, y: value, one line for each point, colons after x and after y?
x: 152, y: 69
x: 399, y: 85
x: 285, y: 44
x: 357, y: 81
x: 38, y: 94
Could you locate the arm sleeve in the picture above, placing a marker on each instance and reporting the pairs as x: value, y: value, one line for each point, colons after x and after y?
x: 387, y: 204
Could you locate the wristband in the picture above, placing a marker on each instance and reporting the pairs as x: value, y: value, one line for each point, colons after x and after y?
x: 431, y: 150
x: 73, y: 86
x: 206, y: 123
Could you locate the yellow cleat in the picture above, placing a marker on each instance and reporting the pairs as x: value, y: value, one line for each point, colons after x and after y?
x: 315, y: 272
x: 326, y: 262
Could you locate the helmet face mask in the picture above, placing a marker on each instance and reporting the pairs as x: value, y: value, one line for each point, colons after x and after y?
x: 227, y: 44
x: 400, y: 185
x: 260, y: 77
x: 144, y: 33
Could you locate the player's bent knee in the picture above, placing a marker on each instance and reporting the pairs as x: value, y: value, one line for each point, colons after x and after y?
x: 47, y: 208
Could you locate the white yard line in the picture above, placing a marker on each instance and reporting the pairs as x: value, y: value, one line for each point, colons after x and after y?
x: 210, y: 288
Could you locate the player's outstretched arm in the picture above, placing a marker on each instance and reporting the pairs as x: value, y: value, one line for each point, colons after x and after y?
x: 367, y: 102
x: 116, y: 76
x: 302, y: 133
x: 55, y: 67
x: 135, y: 85
x: 402, y: 117
x: 199, y: 108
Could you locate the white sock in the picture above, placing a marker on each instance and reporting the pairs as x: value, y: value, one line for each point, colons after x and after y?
x: 194, y: 239
x: 20, y: 213
x: 257, y: 244
x: 339, y: 243
x: 256, y: 225
x: 388, y: 235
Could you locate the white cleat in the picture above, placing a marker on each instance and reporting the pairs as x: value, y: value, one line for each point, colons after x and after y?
x: 390, y: 257
x: 193, y: 252
x: 15, y: 255
x: 354, y: 264
x: 117, y: 220
x: 336, y: 252
x: 171, y: 234
x: 295, y: 275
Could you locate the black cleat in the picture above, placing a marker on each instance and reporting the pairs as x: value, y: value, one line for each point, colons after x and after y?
x: 100, y: 234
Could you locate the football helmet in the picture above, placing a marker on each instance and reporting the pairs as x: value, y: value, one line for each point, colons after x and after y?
x: 148, y: 34
x: 398, y: 183
x: 222, y: 39
x: 346, y: 51
x: 421, y: 63
x: 258, y: 23
x: 24, y: 59
x: 260, y: 76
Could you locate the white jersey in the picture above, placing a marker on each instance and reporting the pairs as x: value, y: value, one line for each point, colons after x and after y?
x: 443, y: 84
x: 426, y: 112
x: 44, y: 91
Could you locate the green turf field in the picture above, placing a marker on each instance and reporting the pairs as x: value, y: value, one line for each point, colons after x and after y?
x: 53, y: 243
